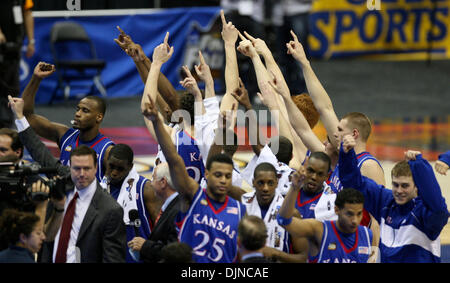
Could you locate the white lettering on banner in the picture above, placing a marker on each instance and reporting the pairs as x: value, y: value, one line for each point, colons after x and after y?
x: 373, y: 5
x: 73, y: 5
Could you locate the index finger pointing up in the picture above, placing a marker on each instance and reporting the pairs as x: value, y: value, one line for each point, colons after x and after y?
x: 249, y: 36
x: 241, y: 36
x: 294, y: 36
x: 222, y: 16
x: 202, y: 60
x: 121, y: 31
x: 166, y: 39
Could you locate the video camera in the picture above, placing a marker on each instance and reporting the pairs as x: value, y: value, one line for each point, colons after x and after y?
x: 16, y: 181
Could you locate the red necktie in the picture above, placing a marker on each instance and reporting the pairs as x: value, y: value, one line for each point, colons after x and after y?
x: 159, y: 215
x: 64, y: 236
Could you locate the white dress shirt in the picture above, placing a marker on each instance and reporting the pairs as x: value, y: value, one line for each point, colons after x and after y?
x: 84, y: 200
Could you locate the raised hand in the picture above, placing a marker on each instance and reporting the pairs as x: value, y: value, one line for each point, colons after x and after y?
x: 241, y: 95
x: 411, y: 155
x: 274, y: 83
x: 348, y: 142
x: 43, y: 70
x: 190, y: 84
x: 246, y: 47
x: 227, y: 119
x: 163, y: 52
x: 123, y: 40
x: 295, y: 48
x: 259, y: 44
x: 298, y: 177
x: 16, y: 105
x: 132, y: 49
x: 229, y: 31
x: 441, y: 167
x: 149, y: 110
x: 203, y: 71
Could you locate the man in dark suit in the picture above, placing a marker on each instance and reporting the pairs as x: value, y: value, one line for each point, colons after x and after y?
x: 98, y: 218
x: 92, y: 229
x: 164, y: 231
x: 252, y: 236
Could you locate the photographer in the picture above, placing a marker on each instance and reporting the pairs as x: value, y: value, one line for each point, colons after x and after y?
x: 22, y: 192
x: 16, y: 193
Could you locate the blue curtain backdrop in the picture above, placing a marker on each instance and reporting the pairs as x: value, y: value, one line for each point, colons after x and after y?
x: 120, y: 75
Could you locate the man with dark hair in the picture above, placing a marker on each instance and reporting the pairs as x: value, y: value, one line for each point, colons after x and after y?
x: 11, y: 148
x: 315, y: 199
x: 340, y: 241
x: 202, y: 208
x: 252, y: 236
x: 176, y: 253
x: 133, y: 193
x: 411, y: 215
x: 92, y: 229
x: 89, y: 114
x: 264, y: 202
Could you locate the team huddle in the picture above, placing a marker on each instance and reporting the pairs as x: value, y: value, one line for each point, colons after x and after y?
x: 320, y: 201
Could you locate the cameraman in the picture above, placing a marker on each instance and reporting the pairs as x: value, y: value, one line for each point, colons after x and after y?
x: 11, y: 151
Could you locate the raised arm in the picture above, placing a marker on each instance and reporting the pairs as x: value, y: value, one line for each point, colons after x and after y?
x: 309, y: 228
x: 42, y: 126
x: 168, y: 96
x: 229, y: 36
x: 297, y: 120
x: 190, y: 84
x: 161, y: 54
x: 183, y: 183
x: 204, y: 73
x: 375, y: 196
x: 320, y: 97
x: 251, y: 121
x: 443, y: 163
x: 436, y: 214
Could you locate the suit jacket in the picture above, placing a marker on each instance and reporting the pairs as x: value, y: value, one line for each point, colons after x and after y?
x: 162, y: 234
x: 40, y: 152
x: 102, y: 236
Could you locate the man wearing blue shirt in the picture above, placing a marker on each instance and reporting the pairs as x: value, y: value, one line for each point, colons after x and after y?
x: 411, y: 216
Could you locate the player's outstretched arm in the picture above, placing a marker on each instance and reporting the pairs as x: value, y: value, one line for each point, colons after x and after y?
x: 204, y: 73
x: 443, y: 163
x: 435, y: 214
x: 43, y: 127
x: 182, y: 181
x: 309, y: 228
x: 229, y: 36
x: 168, y: 96
x: 318, y: 94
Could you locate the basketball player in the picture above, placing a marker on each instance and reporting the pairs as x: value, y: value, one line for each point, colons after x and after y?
x: 183, y: 136
x: 340, y: 241
x: 209, y: 220
x: 89, y: 114
x: 411, y: 215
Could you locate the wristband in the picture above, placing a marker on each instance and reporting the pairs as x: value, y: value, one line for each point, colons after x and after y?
x: 32, y: 41
x: 283, y: 221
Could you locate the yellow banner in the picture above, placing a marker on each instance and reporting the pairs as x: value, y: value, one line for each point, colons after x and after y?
x: 380, y: 27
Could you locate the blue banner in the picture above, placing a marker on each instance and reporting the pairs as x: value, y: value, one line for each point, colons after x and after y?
x: 188, y: 28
